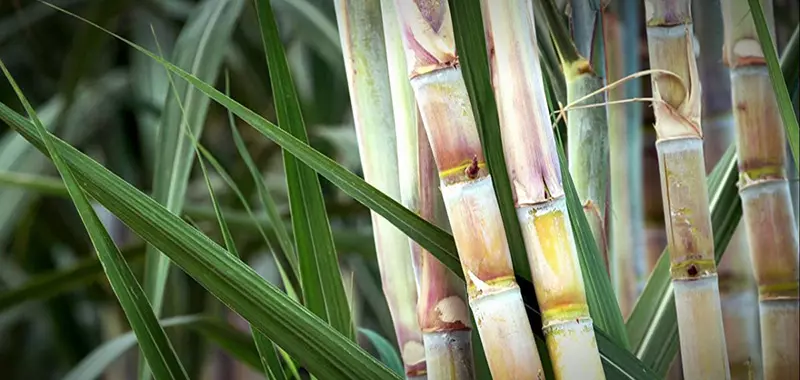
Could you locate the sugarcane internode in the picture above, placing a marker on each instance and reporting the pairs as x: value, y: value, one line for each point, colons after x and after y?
x: 764, y: 190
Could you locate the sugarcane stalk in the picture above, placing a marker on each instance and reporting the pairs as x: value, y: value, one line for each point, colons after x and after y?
x: 677, y: 109
x: 362, y: 39
x: 654, y: 226
x: 738, y: 292
x: 466, y: 186
x: 441, y: 307
x: 587, y: 128
x: 764, y: 190
x: 625, y: 217
x: 539, y: 197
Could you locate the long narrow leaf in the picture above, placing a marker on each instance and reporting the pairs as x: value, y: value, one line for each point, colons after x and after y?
x: 471, y: 47
x: 78, y: 122
x: 778, y: 83
x: 288, y: 253
x: 154, y: 344
x: 323, y: 290
x: 287, y: 275
x: 197, y: 49
x: 600, y: 295
x: 266, y: 351
x: 322, y: 350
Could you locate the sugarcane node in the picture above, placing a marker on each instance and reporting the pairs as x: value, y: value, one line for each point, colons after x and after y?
x: 472, y: 170
x: 692, y: 271
x: 750, y: 61
x: 584, y: 67
x: 452, y: 62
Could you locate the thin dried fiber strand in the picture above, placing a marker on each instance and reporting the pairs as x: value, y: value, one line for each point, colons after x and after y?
x: 573, y: 105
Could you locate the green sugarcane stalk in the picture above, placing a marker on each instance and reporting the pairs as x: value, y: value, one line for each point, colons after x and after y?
x: 587, y: 128
x: 361, y: 35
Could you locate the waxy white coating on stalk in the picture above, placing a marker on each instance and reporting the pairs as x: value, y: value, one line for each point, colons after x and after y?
x: 467, y: 189
x: 781, y: 315
x: 697, y: 301
x: 530, y: 153
x: 764, y: 190
x: 361, y: 35
x: 492, y: 314
x: 738, y: 292
x: 577, y: 348
x: 449, y: 354
x: 740, y: 320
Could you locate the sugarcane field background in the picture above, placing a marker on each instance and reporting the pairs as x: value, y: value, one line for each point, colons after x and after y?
x: 398, y: 189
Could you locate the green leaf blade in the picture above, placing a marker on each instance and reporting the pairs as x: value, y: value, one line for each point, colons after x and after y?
x: 471, y: 46
x: 266, y: 351
x: 197, y: 48
x: 323, y: 351
x: 386, y: 350
x: 154, y: 344
x: 778, y: 82
x: 323, y: 290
